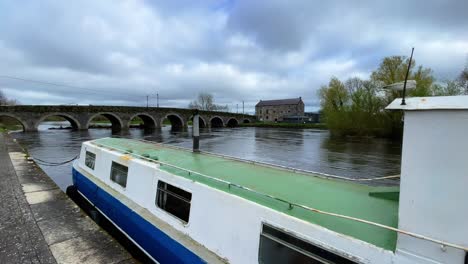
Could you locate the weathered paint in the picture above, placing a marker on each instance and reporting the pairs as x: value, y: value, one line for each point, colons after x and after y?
x: 215, y: 220
x: 324, y: 194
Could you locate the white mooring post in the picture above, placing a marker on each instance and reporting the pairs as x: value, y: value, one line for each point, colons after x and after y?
x: 434, y: 178
x: 196, y: 132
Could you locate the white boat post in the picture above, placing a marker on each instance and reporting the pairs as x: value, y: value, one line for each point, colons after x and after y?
x: 196, y: 131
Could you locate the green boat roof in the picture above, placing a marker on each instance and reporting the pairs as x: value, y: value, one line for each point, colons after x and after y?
x: 373, y: 203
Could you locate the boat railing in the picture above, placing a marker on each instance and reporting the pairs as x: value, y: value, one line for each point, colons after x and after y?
x: 266, y: 164
x: 291, y: 205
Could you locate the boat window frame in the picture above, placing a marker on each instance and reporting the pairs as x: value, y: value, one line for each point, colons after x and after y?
x: 181, y: 198
x: 86, y: 159
x: 298, y: 245
x: 126, y: 172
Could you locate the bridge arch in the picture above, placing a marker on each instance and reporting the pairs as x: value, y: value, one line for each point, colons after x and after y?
x: 216, y: 121
x: 115, y: 120
x: 75, y: 124
x: 149, y: 123
x: 246, y: 121
x: 19, y: 119
x: 232, y: 122
x: 177, y: 122
x: 202, y: 122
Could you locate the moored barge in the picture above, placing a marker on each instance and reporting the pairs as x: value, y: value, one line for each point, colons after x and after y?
x: 181, y: 206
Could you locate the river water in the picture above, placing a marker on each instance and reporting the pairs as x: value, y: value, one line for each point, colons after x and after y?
x: 309, y: 149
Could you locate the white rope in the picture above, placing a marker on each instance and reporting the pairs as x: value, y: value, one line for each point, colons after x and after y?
x: 295, y: 170
x: 291, y: 204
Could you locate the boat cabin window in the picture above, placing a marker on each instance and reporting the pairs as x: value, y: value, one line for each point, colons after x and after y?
x: 90, y: 159
x: 174, y: 200
x: 278, y: 246
x: 119, y: 174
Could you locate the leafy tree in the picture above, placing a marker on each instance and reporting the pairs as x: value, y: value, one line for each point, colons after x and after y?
x: 393, y: 69
x: 448, y: 88
x: 357, y: 106
x: 463, y: 79
x: 205, y: 102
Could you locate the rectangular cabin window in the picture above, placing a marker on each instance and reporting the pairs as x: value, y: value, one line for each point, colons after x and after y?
x: 119, y: 174
x: 90, y: 159
x: 277, y: 246
x: 174, y: 200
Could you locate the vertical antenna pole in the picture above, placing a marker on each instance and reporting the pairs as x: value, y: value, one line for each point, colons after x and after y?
x: 406, y: 78
x: 157, y: 100
x: 196, y: 131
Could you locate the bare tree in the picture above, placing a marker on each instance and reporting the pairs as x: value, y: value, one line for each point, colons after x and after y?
x: 5, y: 101
x: 205, y: 102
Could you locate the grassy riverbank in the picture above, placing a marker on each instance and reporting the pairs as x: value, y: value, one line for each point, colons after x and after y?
x: 283, y: 125
x: 9, y: 127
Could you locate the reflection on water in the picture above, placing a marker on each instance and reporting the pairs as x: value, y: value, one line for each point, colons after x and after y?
x: 308, y: 149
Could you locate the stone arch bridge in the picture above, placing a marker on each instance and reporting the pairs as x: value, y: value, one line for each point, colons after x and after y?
x: 80, y: 117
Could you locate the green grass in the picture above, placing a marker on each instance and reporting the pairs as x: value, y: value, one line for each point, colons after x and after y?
x: 9, y: 127
x: 283, y: 125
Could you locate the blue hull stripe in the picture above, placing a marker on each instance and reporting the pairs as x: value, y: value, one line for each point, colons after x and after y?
x: 154, y: 241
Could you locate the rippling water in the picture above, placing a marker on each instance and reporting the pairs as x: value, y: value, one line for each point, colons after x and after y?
x: 308, y: 149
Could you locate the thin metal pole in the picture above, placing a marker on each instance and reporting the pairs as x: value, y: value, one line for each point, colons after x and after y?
x: 147, y: 101
x: 157, y: 100
x: 242, y: 106
x: 237, y: 108
x: 406, y: 78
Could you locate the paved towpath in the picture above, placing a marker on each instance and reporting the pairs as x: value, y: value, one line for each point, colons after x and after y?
x: 40, y: 224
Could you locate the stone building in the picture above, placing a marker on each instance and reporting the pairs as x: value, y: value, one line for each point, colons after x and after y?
x: 276, y: 110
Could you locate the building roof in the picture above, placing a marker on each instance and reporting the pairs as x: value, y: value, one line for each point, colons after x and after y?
x: 292, y: 101
x: 431, y: 103
x: 309, y: 189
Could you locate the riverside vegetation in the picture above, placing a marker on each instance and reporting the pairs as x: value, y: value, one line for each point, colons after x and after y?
x: 356, y: 107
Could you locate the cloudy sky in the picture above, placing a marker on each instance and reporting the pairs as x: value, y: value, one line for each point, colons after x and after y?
x: 117, y: 52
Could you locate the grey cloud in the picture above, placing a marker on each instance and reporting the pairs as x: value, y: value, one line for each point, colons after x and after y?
x: 237, y: 50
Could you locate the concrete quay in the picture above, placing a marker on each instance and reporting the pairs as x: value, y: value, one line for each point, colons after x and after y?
x: 40, y: 224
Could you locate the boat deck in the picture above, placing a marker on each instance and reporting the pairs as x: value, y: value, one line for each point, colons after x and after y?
x: 377, y: 204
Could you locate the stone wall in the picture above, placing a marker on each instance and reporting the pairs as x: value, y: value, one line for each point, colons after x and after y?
x: 277, y: 112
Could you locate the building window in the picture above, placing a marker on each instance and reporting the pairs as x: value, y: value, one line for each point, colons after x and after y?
x: 119, y: 174
x: 267, y: 111
x: 260, y: 111
x: 90, y: 159
x: 277, y: 246
x: 174, y: 200
x: 266, y: 118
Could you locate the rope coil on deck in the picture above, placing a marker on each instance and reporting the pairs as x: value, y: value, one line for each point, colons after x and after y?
x: 292, y: 204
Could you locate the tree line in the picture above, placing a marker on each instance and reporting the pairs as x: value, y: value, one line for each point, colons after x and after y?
x: 356, y: 107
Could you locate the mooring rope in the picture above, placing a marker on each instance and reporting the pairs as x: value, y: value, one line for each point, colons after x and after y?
x: 50, y: 163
